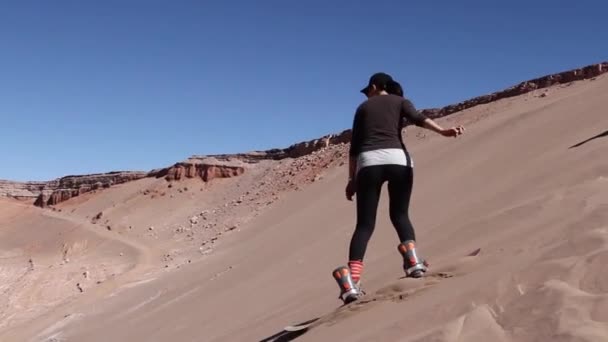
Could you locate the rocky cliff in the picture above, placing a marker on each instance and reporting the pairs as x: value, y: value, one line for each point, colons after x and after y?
x: 21, y: 191
x: 211, y: 167
x: 586, y: 72
x: 62, y: 189
x: 293, y: 151
x: 204, y: 171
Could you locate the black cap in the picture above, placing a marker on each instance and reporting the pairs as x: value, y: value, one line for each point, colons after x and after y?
x: 379, y: 79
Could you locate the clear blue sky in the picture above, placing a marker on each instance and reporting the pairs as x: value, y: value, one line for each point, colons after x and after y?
x: 97, y: 86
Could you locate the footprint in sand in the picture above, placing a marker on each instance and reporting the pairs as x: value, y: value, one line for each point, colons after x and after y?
x: 400, y: 290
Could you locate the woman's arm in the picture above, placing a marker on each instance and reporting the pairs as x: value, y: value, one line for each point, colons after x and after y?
x: 449, y: 132
x: 355, y: 143
x: 410, y: 112
x: 352, y: 167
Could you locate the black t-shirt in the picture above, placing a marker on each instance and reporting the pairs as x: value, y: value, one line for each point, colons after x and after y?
x: 378, y: 123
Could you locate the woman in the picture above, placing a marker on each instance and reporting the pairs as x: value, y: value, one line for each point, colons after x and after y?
x: 378, y: 155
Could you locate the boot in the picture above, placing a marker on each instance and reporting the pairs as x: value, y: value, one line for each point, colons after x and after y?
x: 349, y: 291
x: 413, y: 265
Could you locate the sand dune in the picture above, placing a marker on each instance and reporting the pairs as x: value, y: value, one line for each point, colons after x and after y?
x: 526, y: 185
x: 47, y: 259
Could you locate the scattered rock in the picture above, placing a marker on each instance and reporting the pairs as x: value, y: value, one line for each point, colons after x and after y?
x: 151, y: 228
x: 79, y: 287
x: 97, y: 217
x: 194, y: 220
x: 109, y: 228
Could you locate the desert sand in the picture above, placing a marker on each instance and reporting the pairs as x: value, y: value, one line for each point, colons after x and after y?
x: 514, y: 214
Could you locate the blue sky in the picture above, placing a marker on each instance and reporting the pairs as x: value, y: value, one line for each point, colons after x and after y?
x: 97, y: 86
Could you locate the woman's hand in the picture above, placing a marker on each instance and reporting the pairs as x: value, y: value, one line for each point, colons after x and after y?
x: 446, y: 132
x: 350, y: 190
x: 452, y: 132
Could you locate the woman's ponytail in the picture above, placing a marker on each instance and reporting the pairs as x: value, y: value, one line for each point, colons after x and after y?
x: 394, y: 88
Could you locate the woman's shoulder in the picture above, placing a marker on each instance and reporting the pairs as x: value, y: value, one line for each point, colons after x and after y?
x: 382, y: 103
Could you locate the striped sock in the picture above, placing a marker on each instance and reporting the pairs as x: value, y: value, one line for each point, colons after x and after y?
x: 356, y: 268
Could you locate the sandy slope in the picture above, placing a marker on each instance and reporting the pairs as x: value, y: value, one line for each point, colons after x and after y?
x: 46, y: 258
x: 513, y: 186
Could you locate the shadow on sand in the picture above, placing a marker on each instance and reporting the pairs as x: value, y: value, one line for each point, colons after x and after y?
x: 285, y: 336
x: 601, y: 135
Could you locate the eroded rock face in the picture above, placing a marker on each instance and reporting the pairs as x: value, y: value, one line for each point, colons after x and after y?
x: 305, y: 148
x: 72, y: 186
x: 21, y: 190
x: 206, y: 172
x: 62, y: 189
x: 293, y: 151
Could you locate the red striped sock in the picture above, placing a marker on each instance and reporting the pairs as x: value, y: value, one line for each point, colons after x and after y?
x: 356, y: 268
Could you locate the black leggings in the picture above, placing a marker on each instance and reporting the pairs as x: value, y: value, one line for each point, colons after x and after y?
x: 369, y: 183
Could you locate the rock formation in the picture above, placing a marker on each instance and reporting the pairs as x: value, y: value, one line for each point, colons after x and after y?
x: 62, y: 189
x: 20, y: 190
x: 206, y: 172
x: 293, y: 151
x: 587, y: 72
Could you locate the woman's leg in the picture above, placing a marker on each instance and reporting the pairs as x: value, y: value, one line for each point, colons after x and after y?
x: 369, y: 185
x: 400, y: 182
